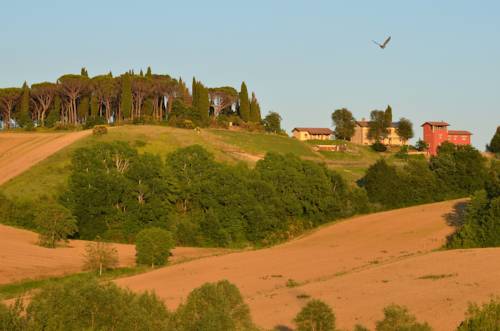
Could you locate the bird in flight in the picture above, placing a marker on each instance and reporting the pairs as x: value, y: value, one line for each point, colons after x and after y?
x: 384, y: 43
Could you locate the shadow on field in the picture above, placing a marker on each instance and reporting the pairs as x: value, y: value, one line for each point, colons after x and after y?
x: 282, y: 328
x: 456, y: 217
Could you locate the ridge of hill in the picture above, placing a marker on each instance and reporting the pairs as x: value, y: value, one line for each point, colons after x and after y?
x: 39, y: 163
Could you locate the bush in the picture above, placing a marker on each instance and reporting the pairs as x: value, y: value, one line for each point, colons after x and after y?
x: 378, y: 147
x: 214, y: 307
x: 100, y: 256
x: 90, y: 305
x: 153, y: 246
x: 397, y: 318
x: 94, y: 121
x: 99, y: 130
x: 54, y: 224
x: 11, y: 318
x: 315, y: 316
x: 485, y: 318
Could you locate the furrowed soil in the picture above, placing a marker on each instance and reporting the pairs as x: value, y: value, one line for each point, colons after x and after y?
x: 358, y: 266
x: 20, y: 151
x: 21, y: 258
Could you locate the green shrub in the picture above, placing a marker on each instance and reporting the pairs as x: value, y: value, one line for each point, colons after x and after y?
x: 99, y: 130
x: 100, y: 256
x: 484, y: 318
x: 397, y: 318
x: 11, y: 318
x: 379, y: 147
x: 214, y: 307
x: 315, y: 316
x: 90, y: 305
x: 153, y: 246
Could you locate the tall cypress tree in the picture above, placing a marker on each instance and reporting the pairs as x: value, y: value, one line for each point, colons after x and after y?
x: 84, y: 72
x: 94, y: 106
x: 203, y: 104
x: 244, y: 103
x: 255, y: 110
x: 23, y: 112
x: 126, y: 96
x: 388, y: 117
x: 149, y: 73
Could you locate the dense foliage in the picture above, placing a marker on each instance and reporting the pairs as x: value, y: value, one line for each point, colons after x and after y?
x: 114, y: 192
x: 456, y: 171
x: 397, y: 318
x: 75, y: 100
x: 494, y: 145
x: 484, y: 318
x: 344, y: 124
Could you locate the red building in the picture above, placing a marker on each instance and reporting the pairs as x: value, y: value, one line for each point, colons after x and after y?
x: 435, y: 133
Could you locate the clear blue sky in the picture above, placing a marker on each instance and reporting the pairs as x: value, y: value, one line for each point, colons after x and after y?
x: 302, y: 58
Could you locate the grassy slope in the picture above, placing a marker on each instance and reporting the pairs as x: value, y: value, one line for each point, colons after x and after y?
x: 50, y: 175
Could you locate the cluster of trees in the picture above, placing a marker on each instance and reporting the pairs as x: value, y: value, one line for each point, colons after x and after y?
x: 114, y: 193
x: 379, y: 125
x: 456, y: 171
x: 480, y: 226
x: 91, y: 305
x: 80, y: 99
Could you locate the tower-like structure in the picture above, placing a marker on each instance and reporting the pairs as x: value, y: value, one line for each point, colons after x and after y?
x: 435, y: 133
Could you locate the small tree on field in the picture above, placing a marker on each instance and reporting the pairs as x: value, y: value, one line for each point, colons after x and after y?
x: 100, y: 256
x: 344, y: 124
x: 397, y: 318
x: 405, y: 129
x: 54, y: 223
x: 272, y: 122
x: 421, y: 145
x: 153, y: 246
x: 315, y: 316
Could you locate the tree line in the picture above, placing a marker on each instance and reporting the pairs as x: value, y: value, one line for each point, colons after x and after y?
x: 91, y: 305
x: 128, y: 98
x: 378, y: 126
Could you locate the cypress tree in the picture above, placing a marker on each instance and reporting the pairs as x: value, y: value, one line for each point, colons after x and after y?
x: 244, y: 103
x: 255, y: 110
x: 194, y: 92
x: 23, y: 112
x: 203, y: 104
x: 388, y: 117
x: 84, y: 72
x: 83, y: 107
x: 149, y: 73
x: 94, y: 106
x: 55, y: 113
x: 126, y: 96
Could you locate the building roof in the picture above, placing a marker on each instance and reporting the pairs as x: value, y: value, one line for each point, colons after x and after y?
x: 365, y: 124
x: 320, y: 131
x: 436, y: 123
x: 459, y: 132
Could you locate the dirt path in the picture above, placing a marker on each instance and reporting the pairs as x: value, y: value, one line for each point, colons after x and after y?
x: 20, y: 151
x: 358, y: 266
x: 22, y: 258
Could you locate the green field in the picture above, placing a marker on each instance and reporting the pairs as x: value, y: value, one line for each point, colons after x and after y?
x: 50, y: 175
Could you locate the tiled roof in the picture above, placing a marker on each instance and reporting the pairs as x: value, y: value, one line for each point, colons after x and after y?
x: 459, y: 132
x: 436, y: 123
x: 321, y: 131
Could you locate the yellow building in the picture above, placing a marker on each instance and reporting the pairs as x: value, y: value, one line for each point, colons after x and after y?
x: 312, y: 133
x: 361, y: 135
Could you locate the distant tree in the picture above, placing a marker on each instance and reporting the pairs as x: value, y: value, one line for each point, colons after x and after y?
x: 397, y: 318
x: 421, y: 145
x: 23, y: 115
x: 222, y: 98
x: 153, y: 246
x: 141, y: 88
x: 244, y: 103
x: 105, y: 89
x: 344, y: 124
x: 8, y: 100
x: 100, y: 256
x: 71, y: 88
x: 201, y: 103
x: 84, y: 72
x: 149, y: 73
x: 378, y: 129
x: 43, y: 95
x: 54, y: 112
x: 388, y: 116
x: 484, y: 318
x: 214, y: 307
x: 83, y: 108
x: 494, y: 146
x: 255, y: 115
x: 126, y: 96
x: 315, y: 316
x: 405, y: 129
x: 54, y: 223
x: 272, y: 122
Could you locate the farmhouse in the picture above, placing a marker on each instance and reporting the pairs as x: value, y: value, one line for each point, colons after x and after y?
x: 312, y: 133
x: 361, y: 135
x: 435, y: 133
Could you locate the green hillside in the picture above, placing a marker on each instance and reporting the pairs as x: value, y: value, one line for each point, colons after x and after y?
x: 49, y: 175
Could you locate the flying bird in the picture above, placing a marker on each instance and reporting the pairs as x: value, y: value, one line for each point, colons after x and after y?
x: 384, y: 43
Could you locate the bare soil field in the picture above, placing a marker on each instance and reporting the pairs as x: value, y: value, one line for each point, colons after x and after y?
x: 20, y: 151
x: 22, y: 258
x: 358, y: 266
